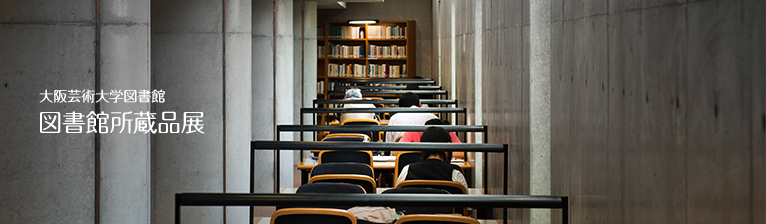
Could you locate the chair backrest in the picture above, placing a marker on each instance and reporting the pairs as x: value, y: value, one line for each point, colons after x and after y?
x: 404, y: 158
x: 333, y: 156
x: 450, y: 186
x: 375, y: 135
x: 312, y: 215
x: 342, y: 168
x: 436, y: 219
x: 420, y: 210
x: 332, y: 188
x: 365, y: 181
x: 346, y: 137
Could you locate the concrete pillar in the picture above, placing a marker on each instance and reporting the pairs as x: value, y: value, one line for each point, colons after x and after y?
x: 284, y: 83
x: 305, y: 33
x: 478, y: 114
x: 540, y: 105
x: 47, y: 178
x: 272, y: 86
x: 238, y: 89
x: 72, y: 177
x: 187, y: 54
x: 125, y: 157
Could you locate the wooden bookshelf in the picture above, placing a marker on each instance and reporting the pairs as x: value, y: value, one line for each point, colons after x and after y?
x: 341, y: 38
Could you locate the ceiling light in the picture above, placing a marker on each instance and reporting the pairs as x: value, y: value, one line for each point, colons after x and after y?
x: 363, y: 21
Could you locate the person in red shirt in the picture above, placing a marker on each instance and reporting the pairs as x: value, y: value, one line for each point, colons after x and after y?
x: 415, y: 137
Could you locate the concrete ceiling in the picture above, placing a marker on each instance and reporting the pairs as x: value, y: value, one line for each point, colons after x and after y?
x: 334, y: 4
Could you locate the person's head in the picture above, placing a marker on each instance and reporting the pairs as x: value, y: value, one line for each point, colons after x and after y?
x: 436, y: 121
x: 437, y: 135
x: 353, y: 94
x: 409, y: 99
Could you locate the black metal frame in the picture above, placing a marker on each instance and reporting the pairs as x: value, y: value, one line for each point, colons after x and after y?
x: 364, y: 128
x: 424, y: 200
x: 384, y: 101
x: 386, y: 81
x: 441, y: 110
x: 392, y: 92
x: 385, y: 87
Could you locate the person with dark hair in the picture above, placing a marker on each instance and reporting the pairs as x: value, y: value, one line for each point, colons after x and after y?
x: 414, y: 136
x: 433, y: 165
x: 407, y: 100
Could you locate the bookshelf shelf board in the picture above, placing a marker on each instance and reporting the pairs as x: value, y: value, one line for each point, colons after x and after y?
x: 347, y: 58
x: 374, y: 39
x: 384, y: 35
x: 387, y: 59
x: 360, y: 39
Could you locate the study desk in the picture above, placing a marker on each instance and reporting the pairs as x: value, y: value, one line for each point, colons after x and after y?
x: 422, y: 200
x: 267, y: 220
x: 292, y: 190
x: 379, y: 165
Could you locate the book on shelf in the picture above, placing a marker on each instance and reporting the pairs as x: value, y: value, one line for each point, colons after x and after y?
x: 392, y: 51
x: 346, y: 32
x: 387, y: 71
x: 320, y: 32
x: 346, y: 70
x: 345, y: 51
x: 386, y: 32
x: 321, y: 51
x: 320, y: 87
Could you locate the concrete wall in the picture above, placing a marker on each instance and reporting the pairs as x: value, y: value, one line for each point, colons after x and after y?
x: 201, y: 55
x: 502, y: 61
x: 272, y: 87
x: 657, y: 107
x: 72, y: 177
x: 417, y: 10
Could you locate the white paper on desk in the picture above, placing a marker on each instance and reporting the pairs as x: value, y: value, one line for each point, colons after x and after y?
x: 311, y: 162
x: 457, y: 161
x: 384, y: 158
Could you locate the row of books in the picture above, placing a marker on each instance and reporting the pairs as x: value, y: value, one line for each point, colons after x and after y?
x: 320, y: 87
x: 367, y: 71
x: 346, y: 70
x: 386, y: 32
x: 344, y: 51
x: 393, y: 51
x: 320, y: 32
x: 387, y: 71
x: 346, y: 32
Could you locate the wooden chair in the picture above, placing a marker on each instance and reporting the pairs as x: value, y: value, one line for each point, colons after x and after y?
x: 376, y: 136
x: 450, y: 186
x: 358, y: 156
x: 331, y: 188
x: 346, y: 137
x: 404, y: 158
x: 365, y: 181
x: 441, y: 219
x: 342, y: 168
x: 420, y: 210
x: 312, y: 215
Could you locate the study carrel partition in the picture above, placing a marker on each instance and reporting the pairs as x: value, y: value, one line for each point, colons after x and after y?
x: 376, y: 128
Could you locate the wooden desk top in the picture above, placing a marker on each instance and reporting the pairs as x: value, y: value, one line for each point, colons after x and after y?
x: 291, y: 190
x: 377, y: 165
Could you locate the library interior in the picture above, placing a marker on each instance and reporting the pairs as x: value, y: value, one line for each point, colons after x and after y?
x: 383, y: 111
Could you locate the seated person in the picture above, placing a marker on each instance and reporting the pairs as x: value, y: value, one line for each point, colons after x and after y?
x: 407, y: 100
x: 432, y: 165
x: 356, y: 94
x: 415, y: 137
